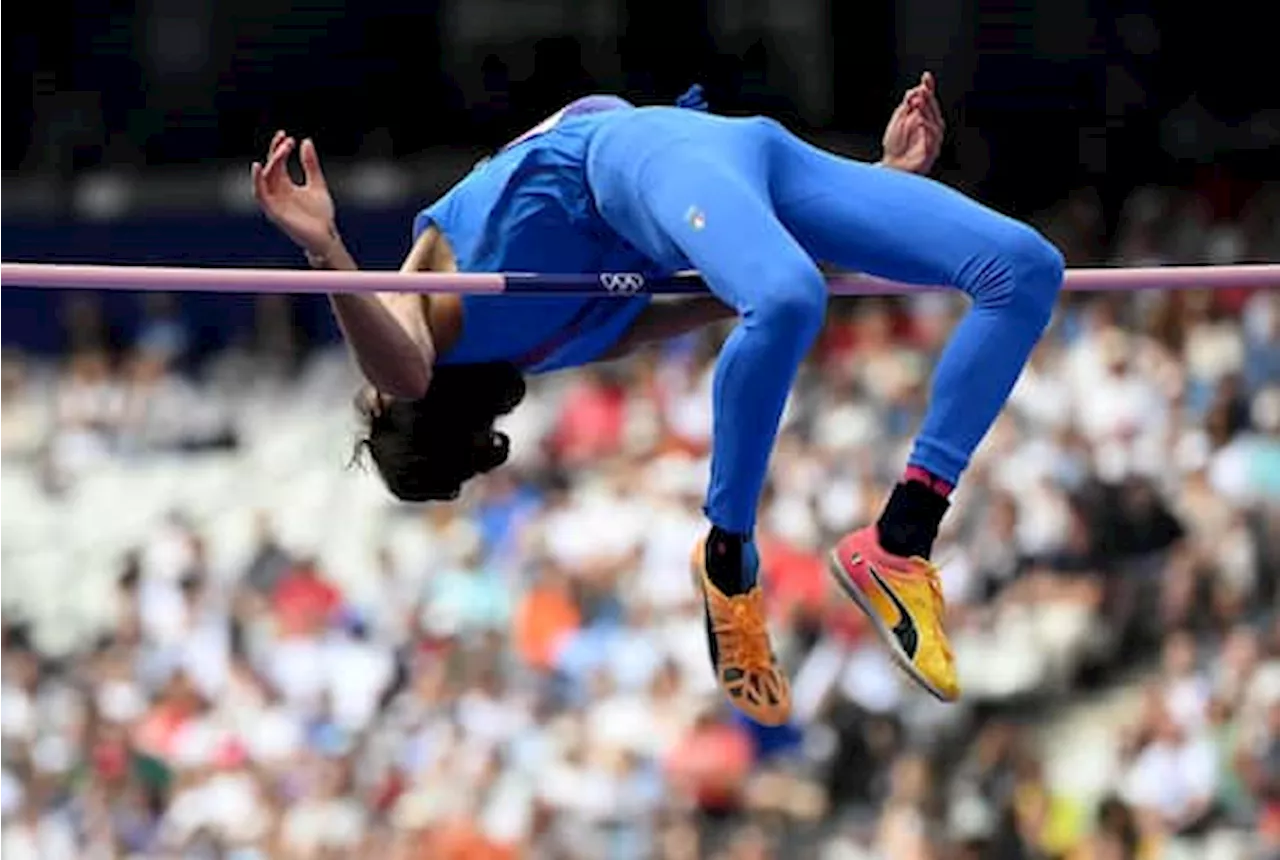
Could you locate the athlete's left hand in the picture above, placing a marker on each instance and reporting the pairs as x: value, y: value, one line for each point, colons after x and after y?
x: 913, y: 138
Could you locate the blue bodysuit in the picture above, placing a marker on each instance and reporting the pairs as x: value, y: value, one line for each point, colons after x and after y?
x: 605, y: 186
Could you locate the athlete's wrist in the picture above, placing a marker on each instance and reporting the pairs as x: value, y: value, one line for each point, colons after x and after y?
x: 329, y: 255
x: 318, y: 259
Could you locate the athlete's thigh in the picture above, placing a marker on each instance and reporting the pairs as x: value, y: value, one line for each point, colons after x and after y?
x: 880, y: 221
x: 688, y: 208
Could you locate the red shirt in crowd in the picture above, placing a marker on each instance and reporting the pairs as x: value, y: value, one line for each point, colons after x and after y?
x: 797, y: 581
x: 304, y: 602
x: 794, y: 579
x: 591, y: 422
x: 711, y: 764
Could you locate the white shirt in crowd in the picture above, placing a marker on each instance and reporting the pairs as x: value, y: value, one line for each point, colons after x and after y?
x: 1187, y: 699
x: 687, y: 406
x: 358, y: 674
x: 1119, y: 406
x: 162, y: 610
x: 627, y: 722
x: 489, y: 720
x: 1043, y: 397
x: 200, y: 647
x: 336, y: 824
x: 1171, y: 778
x: 50, y: 838
x: 580, y: 790
x: 595, y: 525
x: 273, y: 735
x: 227, y: 804
x: 297, y: 668
x: 351, y: 674
x: 17, y: 713
x: 663, y: 580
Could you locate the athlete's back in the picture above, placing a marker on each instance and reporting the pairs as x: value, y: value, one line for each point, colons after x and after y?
x: 529, y: 208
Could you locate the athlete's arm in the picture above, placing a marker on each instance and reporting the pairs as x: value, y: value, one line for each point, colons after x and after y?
x: 387, y: 332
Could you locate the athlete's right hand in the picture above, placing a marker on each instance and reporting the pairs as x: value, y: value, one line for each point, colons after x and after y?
x: 304, y: 212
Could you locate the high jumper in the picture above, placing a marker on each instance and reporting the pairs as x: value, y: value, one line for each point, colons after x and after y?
x: 604, y: 186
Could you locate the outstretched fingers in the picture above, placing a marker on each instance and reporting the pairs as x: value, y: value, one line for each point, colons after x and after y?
x: 312, y: 175
x: 279, y: 157
x: 266, y: 178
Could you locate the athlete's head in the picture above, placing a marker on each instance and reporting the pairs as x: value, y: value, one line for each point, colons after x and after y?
x: 426, y: 449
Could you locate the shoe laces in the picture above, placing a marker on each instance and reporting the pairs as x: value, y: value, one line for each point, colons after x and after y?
x: 741, y: 635
x: 933, y: 576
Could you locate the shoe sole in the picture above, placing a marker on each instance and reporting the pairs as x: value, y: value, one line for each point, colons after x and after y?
x: 854, y: 592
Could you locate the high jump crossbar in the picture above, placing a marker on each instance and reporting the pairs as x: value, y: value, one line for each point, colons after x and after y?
x: 618, y: 284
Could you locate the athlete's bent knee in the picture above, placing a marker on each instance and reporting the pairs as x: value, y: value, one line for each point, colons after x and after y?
x: 1032, y: 270
x: 792, y: 299
x: 1038, y: 266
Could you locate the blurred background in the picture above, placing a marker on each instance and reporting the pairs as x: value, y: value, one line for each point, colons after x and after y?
x: 220, y: 641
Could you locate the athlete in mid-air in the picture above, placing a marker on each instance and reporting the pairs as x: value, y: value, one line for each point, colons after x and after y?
x: 604, y: 186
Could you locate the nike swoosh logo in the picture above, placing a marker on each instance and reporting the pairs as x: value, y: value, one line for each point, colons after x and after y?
x: 905, y: 630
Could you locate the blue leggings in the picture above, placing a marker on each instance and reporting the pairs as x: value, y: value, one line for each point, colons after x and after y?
x: 753, y: 207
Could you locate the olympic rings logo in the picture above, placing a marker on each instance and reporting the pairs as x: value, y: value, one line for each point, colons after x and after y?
x: 622, y: 283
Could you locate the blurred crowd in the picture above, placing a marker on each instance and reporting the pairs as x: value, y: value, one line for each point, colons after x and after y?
x: 524, y: 674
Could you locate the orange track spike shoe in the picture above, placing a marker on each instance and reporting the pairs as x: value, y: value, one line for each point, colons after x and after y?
x: 738, y: 638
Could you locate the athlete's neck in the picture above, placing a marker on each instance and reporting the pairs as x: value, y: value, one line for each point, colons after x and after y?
x: 443, y: 311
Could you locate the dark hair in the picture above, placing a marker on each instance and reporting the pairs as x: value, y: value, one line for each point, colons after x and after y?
x: 426, y: 449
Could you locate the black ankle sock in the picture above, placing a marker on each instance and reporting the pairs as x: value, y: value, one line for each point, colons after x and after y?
x: 724, y: 560
x: 909, y: 524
